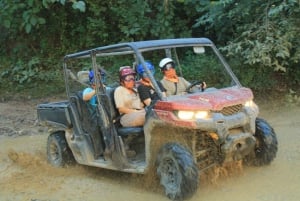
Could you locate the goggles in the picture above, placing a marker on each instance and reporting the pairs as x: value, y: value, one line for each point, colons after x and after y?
x: 129, y: 78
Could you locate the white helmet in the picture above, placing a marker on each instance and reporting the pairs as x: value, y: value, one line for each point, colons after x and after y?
x: 165, y: 61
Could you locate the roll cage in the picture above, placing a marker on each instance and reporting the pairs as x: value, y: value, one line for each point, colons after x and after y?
x: 137, y: 48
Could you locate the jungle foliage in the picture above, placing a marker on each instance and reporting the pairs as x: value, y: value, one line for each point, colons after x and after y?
x: 260, y: 39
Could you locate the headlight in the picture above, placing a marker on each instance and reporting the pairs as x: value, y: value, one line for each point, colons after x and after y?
x: 201, y: 115
x: 185, y: 115
x: 249, y: 103
x: 189, y: 115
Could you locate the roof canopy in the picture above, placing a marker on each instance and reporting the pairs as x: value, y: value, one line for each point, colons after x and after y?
x: 131, y: 47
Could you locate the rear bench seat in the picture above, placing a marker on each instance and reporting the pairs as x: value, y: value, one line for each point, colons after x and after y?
x: 113, y: 112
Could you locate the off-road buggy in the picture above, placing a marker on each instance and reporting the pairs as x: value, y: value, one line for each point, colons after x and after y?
x: 183, y: 134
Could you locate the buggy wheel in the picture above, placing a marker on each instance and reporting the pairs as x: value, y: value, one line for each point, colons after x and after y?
x: 266, y: 146
x: 177, y: 171
x: 58, y: 152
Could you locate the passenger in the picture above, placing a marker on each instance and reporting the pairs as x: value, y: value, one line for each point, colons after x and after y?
x: 174, y: 84
x: 127, y: 99
x: 146, y: 90
x: 89, y: 94
x: 91, y: 123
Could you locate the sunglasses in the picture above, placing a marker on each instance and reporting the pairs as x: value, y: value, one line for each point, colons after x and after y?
x: 129, y: 78
x: 167, y: 67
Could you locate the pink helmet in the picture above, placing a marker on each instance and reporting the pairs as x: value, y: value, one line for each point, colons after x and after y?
x: 126, y: 70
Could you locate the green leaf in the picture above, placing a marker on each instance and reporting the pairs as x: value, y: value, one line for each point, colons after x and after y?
x: 80, y: 5
x: 7, y: 23
x: 24, y: 72
x: 41, y: 20
x: 30, y: 2
x: 26, y: 16
x: 45, y: 3
x: 33, y: 61
x: 28, y: 28
x: 33, y: 20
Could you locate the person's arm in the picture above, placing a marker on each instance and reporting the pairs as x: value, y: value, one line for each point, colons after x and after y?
x: 200, y: 86
x: 125, y: 110
x: 162, y: 88
x: 88, y: 94
x: 147, y: 101
x: 144, y: 94
x: 186, y: 83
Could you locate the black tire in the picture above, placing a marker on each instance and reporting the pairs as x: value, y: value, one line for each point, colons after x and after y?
x: 58, y: 152
x: 266, y: 146
x: 177, y: 171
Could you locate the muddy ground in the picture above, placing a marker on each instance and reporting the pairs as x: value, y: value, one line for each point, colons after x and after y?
x: 25, y: 174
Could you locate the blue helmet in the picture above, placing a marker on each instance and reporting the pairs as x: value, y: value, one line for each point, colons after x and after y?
x: 140, y: 69
x: 92, y: 76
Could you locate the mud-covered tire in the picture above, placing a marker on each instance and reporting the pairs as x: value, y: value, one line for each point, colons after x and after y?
x: 177, y: 171
x: 58, y: 152
x: 266, y: 146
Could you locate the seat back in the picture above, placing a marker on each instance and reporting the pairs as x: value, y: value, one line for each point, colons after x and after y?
x: 75, y: 102
x: 110, y: 102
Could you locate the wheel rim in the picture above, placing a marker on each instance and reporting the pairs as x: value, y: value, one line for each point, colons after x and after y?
x: 170, y: 177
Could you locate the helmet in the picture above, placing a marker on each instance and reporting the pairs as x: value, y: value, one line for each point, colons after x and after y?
x: 140, y: 69
x: 91, y: 77
x: 166, y: 61
x: 126, y: 70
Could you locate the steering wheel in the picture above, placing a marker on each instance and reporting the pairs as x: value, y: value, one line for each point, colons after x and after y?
x: 188, y: 89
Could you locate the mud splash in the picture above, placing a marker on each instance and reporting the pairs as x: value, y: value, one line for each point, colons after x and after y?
x: 25, y: 174
x: 32, y: 172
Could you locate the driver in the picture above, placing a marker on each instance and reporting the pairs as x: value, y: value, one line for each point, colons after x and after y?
x: 174, y: 84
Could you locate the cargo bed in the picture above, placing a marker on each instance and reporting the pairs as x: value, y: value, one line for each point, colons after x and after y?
x: 54, y: 114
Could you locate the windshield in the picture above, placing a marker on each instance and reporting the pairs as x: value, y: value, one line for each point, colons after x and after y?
x: 204, y: 66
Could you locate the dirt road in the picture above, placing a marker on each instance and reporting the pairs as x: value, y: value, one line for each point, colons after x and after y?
x: 26, y: 176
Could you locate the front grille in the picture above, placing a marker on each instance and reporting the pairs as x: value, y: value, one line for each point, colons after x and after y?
x: 206, y: 151
x: 230, y: 110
